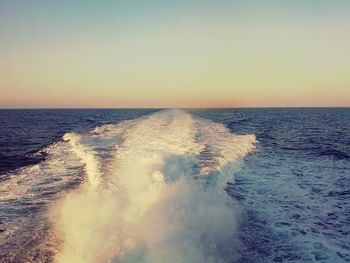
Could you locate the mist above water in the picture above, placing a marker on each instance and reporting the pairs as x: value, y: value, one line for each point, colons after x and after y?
x: 153, y: 192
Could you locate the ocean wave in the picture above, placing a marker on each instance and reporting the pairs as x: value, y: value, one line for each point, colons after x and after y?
x: 153, y: 203
x: 151, y: 189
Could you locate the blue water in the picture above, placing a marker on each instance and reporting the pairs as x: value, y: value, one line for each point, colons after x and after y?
x: 24, y: 132
x: 293, y: 190
x: 296, y: 186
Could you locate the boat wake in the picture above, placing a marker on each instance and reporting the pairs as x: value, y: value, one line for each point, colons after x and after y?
x: 149, y: 190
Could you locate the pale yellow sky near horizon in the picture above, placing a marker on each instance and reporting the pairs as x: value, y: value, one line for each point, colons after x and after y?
x: 183, y: 55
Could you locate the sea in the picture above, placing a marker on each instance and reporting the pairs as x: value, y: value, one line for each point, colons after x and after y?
x: 175, y: 185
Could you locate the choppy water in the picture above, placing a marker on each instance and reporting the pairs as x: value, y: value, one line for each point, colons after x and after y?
x: 235, y: 185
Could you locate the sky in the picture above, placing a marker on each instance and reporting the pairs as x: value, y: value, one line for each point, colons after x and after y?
x: 174, y: 54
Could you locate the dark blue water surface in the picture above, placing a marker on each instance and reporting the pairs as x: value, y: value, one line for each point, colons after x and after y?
x: 294, y: 189
x: 24, y: 132
x: 296, y: 186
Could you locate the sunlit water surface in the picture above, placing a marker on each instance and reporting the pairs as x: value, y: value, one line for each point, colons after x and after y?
x: 233, y: 185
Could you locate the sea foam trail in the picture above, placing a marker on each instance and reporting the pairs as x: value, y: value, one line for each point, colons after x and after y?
x: 87, y: 156
x: 158, y: 195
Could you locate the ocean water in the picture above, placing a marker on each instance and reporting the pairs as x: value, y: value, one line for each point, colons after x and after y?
x: 175, y: 186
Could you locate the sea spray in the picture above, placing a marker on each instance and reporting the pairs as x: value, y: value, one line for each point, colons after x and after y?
x: 164, y: 200
x: 87, y: 156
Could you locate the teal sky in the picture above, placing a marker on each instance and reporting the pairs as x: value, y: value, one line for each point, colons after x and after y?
x: 174, y: 53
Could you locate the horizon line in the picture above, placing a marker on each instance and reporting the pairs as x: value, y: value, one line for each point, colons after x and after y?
x: 160, y: 108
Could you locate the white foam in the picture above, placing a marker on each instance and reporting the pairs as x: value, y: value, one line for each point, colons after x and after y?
x: 26, y: 192
x: 153, y: 208
x: 87, y: 156
x: 53, y: 172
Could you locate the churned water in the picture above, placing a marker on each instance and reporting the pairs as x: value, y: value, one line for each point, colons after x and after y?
x: 176, y: 186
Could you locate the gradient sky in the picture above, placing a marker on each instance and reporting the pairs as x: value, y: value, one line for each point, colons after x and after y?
x: 174, y: 53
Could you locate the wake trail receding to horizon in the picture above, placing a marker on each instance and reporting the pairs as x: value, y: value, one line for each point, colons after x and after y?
x: 153, y: 192
x: 146, y: 190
